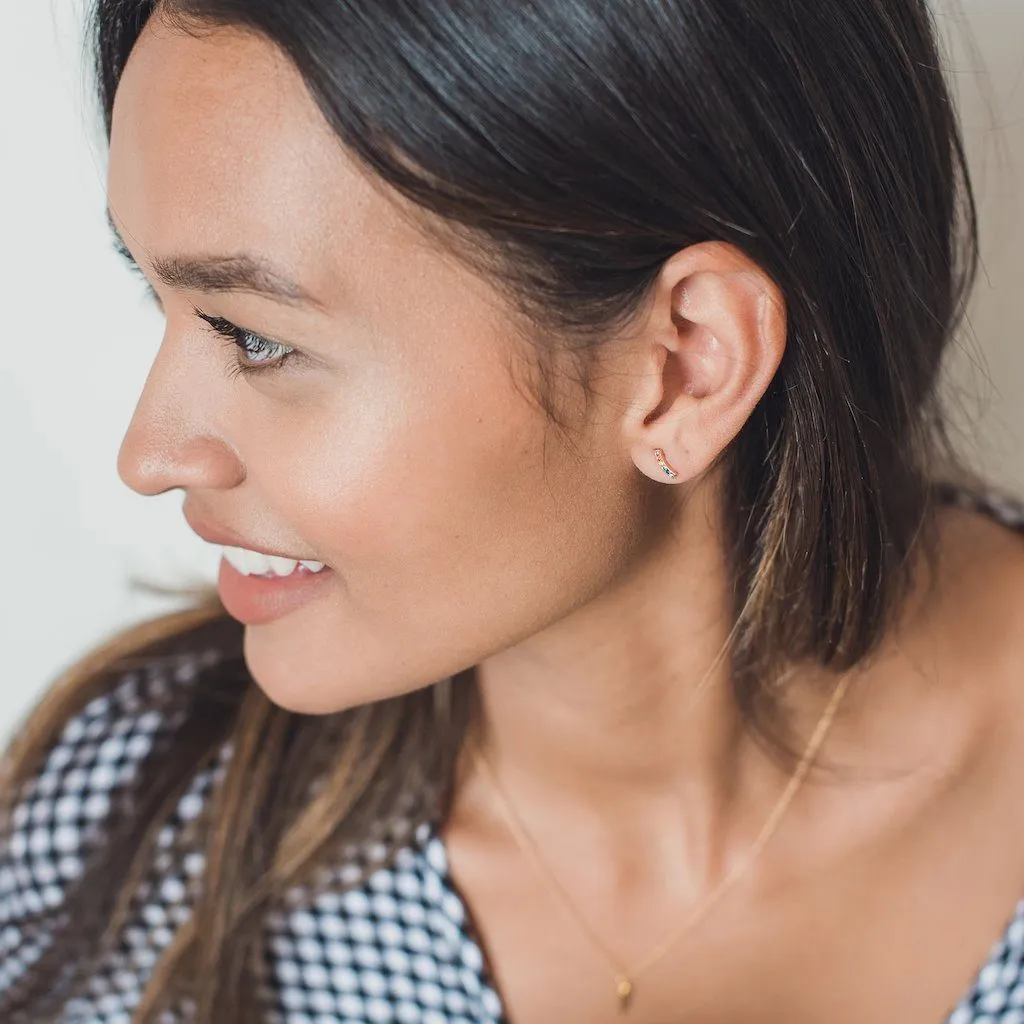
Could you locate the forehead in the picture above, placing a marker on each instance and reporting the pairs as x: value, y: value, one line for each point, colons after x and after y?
x: 216, y: 144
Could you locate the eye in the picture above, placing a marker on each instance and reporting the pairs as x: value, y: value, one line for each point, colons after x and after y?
x: 254, y: 353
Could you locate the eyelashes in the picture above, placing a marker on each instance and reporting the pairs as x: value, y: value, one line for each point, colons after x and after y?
x: 253, y: 352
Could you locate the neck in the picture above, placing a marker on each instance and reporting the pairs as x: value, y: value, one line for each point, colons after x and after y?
x: 620, y: 718
x: 619, y: 723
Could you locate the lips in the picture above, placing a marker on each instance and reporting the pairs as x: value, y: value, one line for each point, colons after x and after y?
x: 256, y: 600
x: 213, y: 533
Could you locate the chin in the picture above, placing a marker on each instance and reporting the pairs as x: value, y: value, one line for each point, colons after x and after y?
x: 293, y: 685
x: 299, y: 702
x: 311, y: 685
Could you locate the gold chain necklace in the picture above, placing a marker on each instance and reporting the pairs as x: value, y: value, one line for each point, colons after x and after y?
x: 625, y: 978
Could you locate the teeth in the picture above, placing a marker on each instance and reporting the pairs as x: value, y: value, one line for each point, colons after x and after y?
x: 253, y: 563
x: 236, y: 557
x: 282, y: 566
x: 248, y: 563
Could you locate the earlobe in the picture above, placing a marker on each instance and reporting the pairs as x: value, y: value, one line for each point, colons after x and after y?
x: 715, y: 337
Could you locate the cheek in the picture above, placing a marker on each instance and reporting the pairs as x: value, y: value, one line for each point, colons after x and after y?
x: 455, y: 521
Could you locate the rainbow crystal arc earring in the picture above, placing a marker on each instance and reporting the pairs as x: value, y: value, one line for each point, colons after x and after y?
x: 659, y: 454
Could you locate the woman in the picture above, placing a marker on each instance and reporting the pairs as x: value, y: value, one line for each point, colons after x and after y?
x: 604, y: 626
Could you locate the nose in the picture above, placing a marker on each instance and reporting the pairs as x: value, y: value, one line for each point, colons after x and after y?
x: 150, y: 466
x: 176, y: 437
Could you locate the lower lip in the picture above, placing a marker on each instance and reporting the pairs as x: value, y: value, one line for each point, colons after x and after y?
x: 255, y: 600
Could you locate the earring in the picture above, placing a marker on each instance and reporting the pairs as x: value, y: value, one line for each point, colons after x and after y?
x: 659, y: 454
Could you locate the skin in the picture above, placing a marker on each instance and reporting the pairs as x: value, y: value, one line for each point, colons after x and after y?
x: 402, y: 450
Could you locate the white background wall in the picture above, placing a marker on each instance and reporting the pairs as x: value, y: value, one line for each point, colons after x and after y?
x: 76, y: 339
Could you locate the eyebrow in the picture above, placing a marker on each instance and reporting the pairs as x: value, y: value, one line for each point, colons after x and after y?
x: 236, y: 273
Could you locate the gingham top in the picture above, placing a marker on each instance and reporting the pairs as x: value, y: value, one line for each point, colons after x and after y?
x: 396, y: 949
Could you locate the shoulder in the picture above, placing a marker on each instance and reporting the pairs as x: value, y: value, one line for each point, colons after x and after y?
x: 986, y: 563
x: 982, y: 634
x: 96, y: 754
x: 985, y: 553
x: 998, y: 504
x: 84, y: 790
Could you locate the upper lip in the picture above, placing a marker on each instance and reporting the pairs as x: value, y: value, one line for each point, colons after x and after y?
x: 221, y: 535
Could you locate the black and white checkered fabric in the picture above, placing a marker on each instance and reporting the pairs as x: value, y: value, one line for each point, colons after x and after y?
x: 395, y: 949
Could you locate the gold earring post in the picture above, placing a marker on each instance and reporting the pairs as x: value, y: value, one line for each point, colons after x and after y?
x: 659, y: 454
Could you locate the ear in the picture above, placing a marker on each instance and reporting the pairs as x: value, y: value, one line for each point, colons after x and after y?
x: 709, y: 346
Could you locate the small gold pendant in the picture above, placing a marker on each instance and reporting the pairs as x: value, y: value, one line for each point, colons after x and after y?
x: 624, y: 989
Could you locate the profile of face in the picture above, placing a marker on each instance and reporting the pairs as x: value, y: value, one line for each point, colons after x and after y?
x: 397, y: 441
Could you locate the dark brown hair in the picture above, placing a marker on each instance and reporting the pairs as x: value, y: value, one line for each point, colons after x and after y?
x: 569, y: 147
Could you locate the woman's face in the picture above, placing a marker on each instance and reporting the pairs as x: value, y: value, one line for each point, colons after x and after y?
x: 398, y: 444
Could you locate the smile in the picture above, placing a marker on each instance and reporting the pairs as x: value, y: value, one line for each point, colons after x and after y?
x: 255, y: 563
